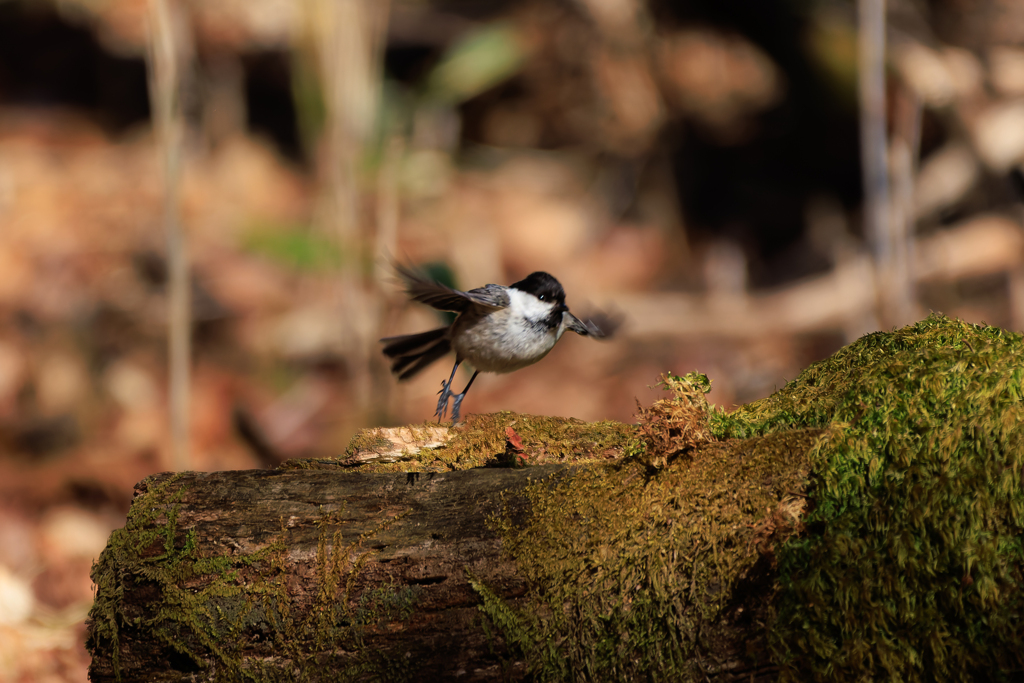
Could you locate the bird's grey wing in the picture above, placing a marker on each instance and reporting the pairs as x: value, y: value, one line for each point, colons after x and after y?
x: 491, y: 296
x: 432, y: 293
x: 599, y: 325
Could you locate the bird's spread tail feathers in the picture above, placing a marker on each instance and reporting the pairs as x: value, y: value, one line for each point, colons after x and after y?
x: 411, y: 353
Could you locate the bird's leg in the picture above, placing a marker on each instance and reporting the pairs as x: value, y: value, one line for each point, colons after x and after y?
x: 446, y: 393
x: 457, y: 402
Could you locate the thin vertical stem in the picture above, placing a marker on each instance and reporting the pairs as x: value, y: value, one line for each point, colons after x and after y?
x: 349, y: 37
x: 874, y: 149
x: 385, y: 247
x: 902, y: 301
x: 166, y: 62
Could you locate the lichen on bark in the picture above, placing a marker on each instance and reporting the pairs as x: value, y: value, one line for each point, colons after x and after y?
x: 213, y: 603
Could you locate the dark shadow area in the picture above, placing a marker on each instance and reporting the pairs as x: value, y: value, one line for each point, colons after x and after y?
x: 45, y: 61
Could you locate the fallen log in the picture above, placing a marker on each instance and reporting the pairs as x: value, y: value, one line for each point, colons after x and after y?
x: 319, y: 572
x: 306, y: 574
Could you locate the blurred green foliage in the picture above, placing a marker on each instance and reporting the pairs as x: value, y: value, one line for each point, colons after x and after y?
x: 479, y: 61
x: 297, y: 248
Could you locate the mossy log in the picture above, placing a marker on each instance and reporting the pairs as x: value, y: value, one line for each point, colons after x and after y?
x: 865, y: 522
x: 318, y: 572
x: 321, y: 575
x: 307, y: 575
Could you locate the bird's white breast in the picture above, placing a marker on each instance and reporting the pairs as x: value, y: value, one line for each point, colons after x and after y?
x: 507, y: 339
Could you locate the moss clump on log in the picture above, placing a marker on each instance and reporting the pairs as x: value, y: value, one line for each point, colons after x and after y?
x: 912, y: 567
x: 812, y: 399
x: 480, y: 441
x: 641, y: 577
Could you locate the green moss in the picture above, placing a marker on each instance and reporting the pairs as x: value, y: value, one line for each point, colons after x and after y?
x: 367, y: 440
x: 912, y: 567
x: 107, y: 615
x: 908, y: 448
x: 812, y: 398
x: 216, y: 606
x: 631, y: 575
x: 546, y: 439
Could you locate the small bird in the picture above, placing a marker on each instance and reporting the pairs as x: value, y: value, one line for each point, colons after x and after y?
x: 498, y: 329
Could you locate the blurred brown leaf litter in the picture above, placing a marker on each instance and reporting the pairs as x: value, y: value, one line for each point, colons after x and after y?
x: 696, y: 167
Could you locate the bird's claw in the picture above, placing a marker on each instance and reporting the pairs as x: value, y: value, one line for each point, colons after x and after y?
x: 442, y: 403
x: 456, y: 404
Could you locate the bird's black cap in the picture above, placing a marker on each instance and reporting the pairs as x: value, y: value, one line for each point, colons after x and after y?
x: 543, y: 286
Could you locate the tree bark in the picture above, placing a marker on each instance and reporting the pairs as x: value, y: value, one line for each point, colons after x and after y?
x: 331, y: 574
x: 369, y: 568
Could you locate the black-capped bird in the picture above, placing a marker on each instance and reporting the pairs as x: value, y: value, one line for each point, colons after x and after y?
x: 498, y: 329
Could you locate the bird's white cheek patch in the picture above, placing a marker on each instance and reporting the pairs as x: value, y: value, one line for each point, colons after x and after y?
x: 529, y: 306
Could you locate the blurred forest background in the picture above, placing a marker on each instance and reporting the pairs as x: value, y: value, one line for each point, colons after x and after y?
x: 696, y: 166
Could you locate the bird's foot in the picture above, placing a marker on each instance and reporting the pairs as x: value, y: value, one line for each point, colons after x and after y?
x: 442, y: 402
x: 456, y: 404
